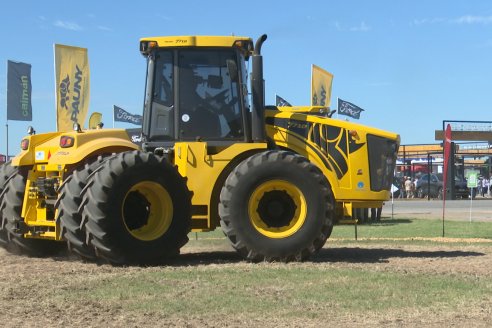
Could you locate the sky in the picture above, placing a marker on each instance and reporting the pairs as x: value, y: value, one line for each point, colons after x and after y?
x: 409, y: 64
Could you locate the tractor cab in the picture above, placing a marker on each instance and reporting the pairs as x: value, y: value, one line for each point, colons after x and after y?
x: 196, y: 90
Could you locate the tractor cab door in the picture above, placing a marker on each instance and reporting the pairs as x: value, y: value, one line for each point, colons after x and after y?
x: 197, y: 94
x: 159, y: 118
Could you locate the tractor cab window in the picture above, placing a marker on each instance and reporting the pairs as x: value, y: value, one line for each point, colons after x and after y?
x: 209, y: 106
x: 162, y: 110
x: 163, y: 85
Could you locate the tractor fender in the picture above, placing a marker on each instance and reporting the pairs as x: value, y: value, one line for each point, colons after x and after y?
x: 27, y: 156
x: 46, y: 148
x: 66, y: 156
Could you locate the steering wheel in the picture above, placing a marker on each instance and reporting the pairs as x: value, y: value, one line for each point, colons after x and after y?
x: 220, y: 95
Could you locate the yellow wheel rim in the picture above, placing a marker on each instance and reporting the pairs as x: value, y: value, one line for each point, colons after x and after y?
x: 277, y: 209
x: 147, y: 210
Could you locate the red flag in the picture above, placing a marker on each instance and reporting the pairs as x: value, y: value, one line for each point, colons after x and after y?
x: 447, y: 150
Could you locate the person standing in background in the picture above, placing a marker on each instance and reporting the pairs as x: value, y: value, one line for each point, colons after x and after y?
x: 409, y: 187
x: 486, y: 186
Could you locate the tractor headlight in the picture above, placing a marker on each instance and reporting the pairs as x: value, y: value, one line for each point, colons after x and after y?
x: 147, y: 46
x: 31, y: 131
x: 76, y: 127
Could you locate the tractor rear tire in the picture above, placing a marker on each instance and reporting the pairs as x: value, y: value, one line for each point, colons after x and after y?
x: 6, y: 170
x: 137, y: 209
x: 70, y: 210
x: 276, y: 206
x: 10, y: 209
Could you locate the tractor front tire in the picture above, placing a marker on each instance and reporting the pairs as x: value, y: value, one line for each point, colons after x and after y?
x: 6, y: 170
x: 137, y: 209
x: 276, y: 206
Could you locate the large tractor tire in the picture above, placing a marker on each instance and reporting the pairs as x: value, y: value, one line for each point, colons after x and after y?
x: 12, y: 221
x: 6, y: 170
x: 69, y: 207
x: 276, y: 206
x: 137, y: 209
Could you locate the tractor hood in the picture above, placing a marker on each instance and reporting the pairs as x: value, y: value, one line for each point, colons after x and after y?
x: 69, y: 147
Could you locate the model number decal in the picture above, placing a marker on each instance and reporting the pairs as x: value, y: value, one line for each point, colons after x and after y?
x: 297, y: 125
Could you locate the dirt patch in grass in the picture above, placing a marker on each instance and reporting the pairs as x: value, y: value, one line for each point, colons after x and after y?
x: 30, y: 288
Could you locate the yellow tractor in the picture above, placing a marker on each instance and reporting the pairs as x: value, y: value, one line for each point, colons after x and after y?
x: 273, y: 178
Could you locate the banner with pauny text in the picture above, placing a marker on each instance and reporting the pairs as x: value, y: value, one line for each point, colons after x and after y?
x: 19, y: 88
x: 321, y: 82
x: 72, y: 86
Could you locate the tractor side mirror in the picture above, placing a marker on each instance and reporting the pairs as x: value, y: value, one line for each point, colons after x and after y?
x: 233, y: 71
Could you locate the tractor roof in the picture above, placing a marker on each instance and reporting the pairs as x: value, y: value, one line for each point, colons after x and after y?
x: 197, y: 41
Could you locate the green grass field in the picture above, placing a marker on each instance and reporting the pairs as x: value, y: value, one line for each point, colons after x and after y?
x: 415, y: 228
x: 281, y: 291
x: 210, y: 282
x: 408, y: 231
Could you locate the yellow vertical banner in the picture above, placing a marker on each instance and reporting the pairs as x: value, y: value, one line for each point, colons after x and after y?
x: 95, y: 120
x: 72, y: 86
x: 321, y: 81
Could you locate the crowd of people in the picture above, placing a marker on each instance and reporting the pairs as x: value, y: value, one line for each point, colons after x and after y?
x: 408, y: 187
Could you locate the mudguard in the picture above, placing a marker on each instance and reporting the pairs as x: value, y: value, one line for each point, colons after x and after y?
x: 46, y: 148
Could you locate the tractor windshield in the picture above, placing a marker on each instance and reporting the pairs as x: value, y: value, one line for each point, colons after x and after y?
x: 209, y: 99
x: 195, y: 94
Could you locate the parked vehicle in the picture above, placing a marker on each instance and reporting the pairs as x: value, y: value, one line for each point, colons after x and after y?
x: 461, y: 189
x: 424, y: 188
x: 434, y: 188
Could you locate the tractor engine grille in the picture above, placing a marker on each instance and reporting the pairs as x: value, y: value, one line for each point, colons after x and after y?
x: 382, y: 160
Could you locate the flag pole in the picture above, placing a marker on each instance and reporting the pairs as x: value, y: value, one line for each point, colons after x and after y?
x: 392, y: 201
x: 7, y: 131
x: 312, y: 87
x: 337, y: 107
x: 113, y: 116
x: 7, y: 118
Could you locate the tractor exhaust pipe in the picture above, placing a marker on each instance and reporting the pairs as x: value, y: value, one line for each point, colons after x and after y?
x: 258, y: 92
